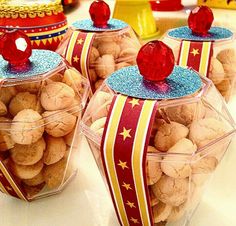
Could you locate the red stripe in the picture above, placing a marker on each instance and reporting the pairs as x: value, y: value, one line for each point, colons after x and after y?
x: 194, y: 61
x: 77, y: 51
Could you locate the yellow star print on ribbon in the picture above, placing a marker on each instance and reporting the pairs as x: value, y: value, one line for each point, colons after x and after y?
x: 125, y: 133
x: 195, y: 52
x: 130, y: 204
x: 134, y: 102
x: 123, y: 165
x: 135, y: 221
x: 80, y: 41
x: 76, y: 59
x: 127, y: 186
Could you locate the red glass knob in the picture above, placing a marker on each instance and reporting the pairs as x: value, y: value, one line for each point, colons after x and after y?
x: 200, y: 20
x: 155, y: 61
x: 15, y: 47
x: 100, y: 13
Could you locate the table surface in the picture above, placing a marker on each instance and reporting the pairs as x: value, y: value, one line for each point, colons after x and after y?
x: 86, y: 202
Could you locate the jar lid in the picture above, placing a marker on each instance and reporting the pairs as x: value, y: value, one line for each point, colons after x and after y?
x: 215, y: 34
x: 112, y: 25
x: 199, y: 28
x: 29, y: 8
x: 19, y: 61
x: 100, y: 19
x: 156, y: 77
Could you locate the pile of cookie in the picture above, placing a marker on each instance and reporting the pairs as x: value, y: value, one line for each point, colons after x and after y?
x: 179, y: 162
x: 38, y: 122
x: 222, y: 72
x: 110, y: 52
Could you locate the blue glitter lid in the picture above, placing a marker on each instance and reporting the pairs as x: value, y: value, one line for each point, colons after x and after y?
x: 41, y: 62
x: 128, y: 81
x: 112, y: 25
x: 215, y: 34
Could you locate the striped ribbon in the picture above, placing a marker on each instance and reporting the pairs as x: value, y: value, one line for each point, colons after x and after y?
x: 77, y: 51
x: 8, y: 184
x: 124, y: 148
x: 196, y: 55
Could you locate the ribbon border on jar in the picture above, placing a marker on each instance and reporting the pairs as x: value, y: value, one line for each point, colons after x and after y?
x: 124, y: 150
x: 196, y: 55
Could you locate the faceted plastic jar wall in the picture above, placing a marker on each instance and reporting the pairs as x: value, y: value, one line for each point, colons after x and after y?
x: 39, y: 132
x: 110, y: 51
x: 222, y: 66
x: 189, y: 139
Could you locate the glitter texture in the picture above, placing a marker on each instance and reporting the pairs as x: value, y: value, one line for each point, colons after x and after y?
x: 128, y: 81
x: 41, y: 62
x: 87, y: 25
x: 215, y: 33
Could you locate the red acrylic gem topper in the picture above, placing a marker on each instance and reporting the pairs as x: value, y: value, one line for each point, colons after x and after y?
x: 15, y: 47
x: 155, y: 61
x: 200, y: 20
x: 100, y: 13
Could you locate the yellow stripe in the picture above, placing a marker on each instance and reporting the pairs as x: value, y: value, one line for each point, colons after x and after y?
x: 12, y: 183
x: 47, y: 32
x: 84, y: 54
x: 137, y: 159
x: 109, y: 158
x: 184, y: 53
x: 2, y: 188
x: 71, y: 45
x: 205, y: 58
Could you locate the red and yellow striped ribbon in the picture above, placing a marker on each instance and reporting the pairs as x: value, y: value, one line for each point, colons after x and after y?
x: 124, y: 148
x: 196, y: 55
x: 78, y: 49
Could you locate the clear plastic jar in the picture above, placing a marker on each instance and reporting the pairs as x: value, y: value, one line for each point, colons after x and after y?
x: 221, y: 68
x: 189, y: 138
x: 39, y: 133
x: 108, y: 51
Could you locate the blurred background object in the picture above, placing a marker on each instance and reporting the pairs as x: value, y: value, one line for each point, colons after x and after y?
x: 43, y: 21
x: 166, y: 5
x: 227, y: 4
x: 139, y: 15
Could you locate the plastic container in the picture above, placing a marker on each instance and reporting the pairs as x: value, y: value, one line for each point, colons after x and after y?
x: 43, y: 21
x: 209, y: 50
x: 98, y: 52
x: 189, y: 137
x: 39, y: 134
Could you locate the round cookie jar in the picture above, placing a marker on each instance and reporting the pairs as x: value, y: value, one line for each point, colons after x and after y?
x: 157, y: 140
x: 41, y: 101
x: 43, y: 21
x: 209, y: 50
x: 99, y: 46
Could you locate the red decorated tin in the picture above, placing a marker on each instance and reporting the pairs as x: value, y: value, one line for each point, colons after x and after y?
x: 44, y: 22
